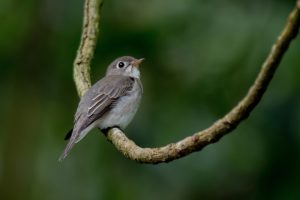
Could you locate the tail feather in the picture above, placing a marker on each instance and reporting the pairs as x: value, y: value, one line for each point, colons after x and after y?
x: 72, y: 134
x: 69, y: 146
x: 75, y: 136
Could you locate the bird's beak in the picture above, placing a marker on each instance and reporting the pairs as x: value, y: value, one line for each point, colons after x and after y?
x: 136, y: 63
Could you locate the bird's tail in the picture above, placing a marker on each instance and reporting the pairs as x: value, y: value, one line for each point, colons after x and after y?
x: 75, y: 136
x: 72, y: 136
x: 64, y: 154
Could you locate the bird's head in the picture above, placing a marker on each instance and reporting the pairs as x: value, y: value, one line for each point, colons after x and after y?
x: 125, y: 66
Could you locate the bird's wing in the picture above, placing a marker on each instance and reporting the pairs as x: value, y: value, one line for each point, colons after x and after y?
x: 96, y: 102
x: 105, y: 98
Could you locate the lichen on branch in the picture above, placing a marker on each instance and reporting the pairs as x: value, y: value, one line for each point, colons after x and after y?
x: 200, y: 139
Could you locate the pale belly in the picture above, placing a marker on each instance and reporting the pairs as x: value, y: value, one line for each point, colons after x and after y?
x: 122, y: 114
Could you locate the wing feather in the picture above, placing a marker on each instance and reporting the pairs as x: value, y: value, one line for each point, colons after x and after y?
x: 116, y: 88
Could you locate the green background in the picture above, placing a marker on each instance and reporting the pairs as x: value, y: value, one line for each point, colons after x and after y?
x: 201, y: 58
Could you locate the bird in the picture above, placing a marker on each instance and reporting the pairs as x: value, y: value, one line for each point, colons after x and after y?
x: 111, y: 102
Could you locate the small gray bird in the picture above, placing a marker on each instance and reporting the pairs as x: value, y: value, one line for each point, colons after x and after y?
x: 111, y: 102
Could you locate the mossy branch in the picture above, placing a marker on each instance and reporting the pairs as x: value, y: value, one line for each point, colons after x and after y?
x: 200, y: 139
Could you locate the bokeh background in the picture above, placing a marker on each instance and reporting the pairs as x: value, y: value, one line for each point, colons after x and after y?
x: 201, y: 58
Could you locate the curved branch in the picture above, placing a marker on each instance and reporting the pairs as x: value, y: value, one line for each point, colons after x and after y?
x: 221, y: 127
x: 86, y: 49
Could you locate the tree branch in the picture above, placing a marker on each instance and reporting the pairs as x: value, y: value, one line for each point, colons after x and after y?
x: 85, y: 52
x: 198, y: 140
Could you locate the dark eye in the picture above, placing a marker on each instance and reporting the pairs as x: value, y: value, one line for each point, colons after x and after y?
x: 121, y: 64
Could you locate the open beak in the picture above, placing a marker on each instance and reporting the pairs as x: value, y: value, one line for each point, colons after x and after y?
x: 136, y: 63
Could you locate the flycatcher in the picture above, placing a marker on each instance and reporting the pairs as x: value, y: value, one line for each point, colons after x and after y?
x: 111, y: 102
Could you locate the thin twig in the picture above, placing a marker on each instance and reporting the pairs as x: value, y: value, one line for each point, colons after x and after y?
x: 201, y: 139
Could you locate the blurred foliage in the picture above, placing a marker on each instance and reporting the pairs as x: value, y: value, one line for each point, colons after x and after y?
x: 201, y: 57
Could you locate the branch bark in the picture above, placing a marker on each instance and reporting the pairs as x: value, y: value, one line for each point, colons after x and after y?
x: 200, y: 139
x: 86, y: 49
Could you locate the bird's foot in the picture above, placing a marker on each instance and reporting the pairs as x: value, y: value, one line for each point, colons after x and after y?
x: 105, y: 130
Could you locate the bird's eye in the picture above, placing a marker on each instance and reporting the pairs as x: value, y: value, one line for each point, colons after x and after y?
x: 121, y: 64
